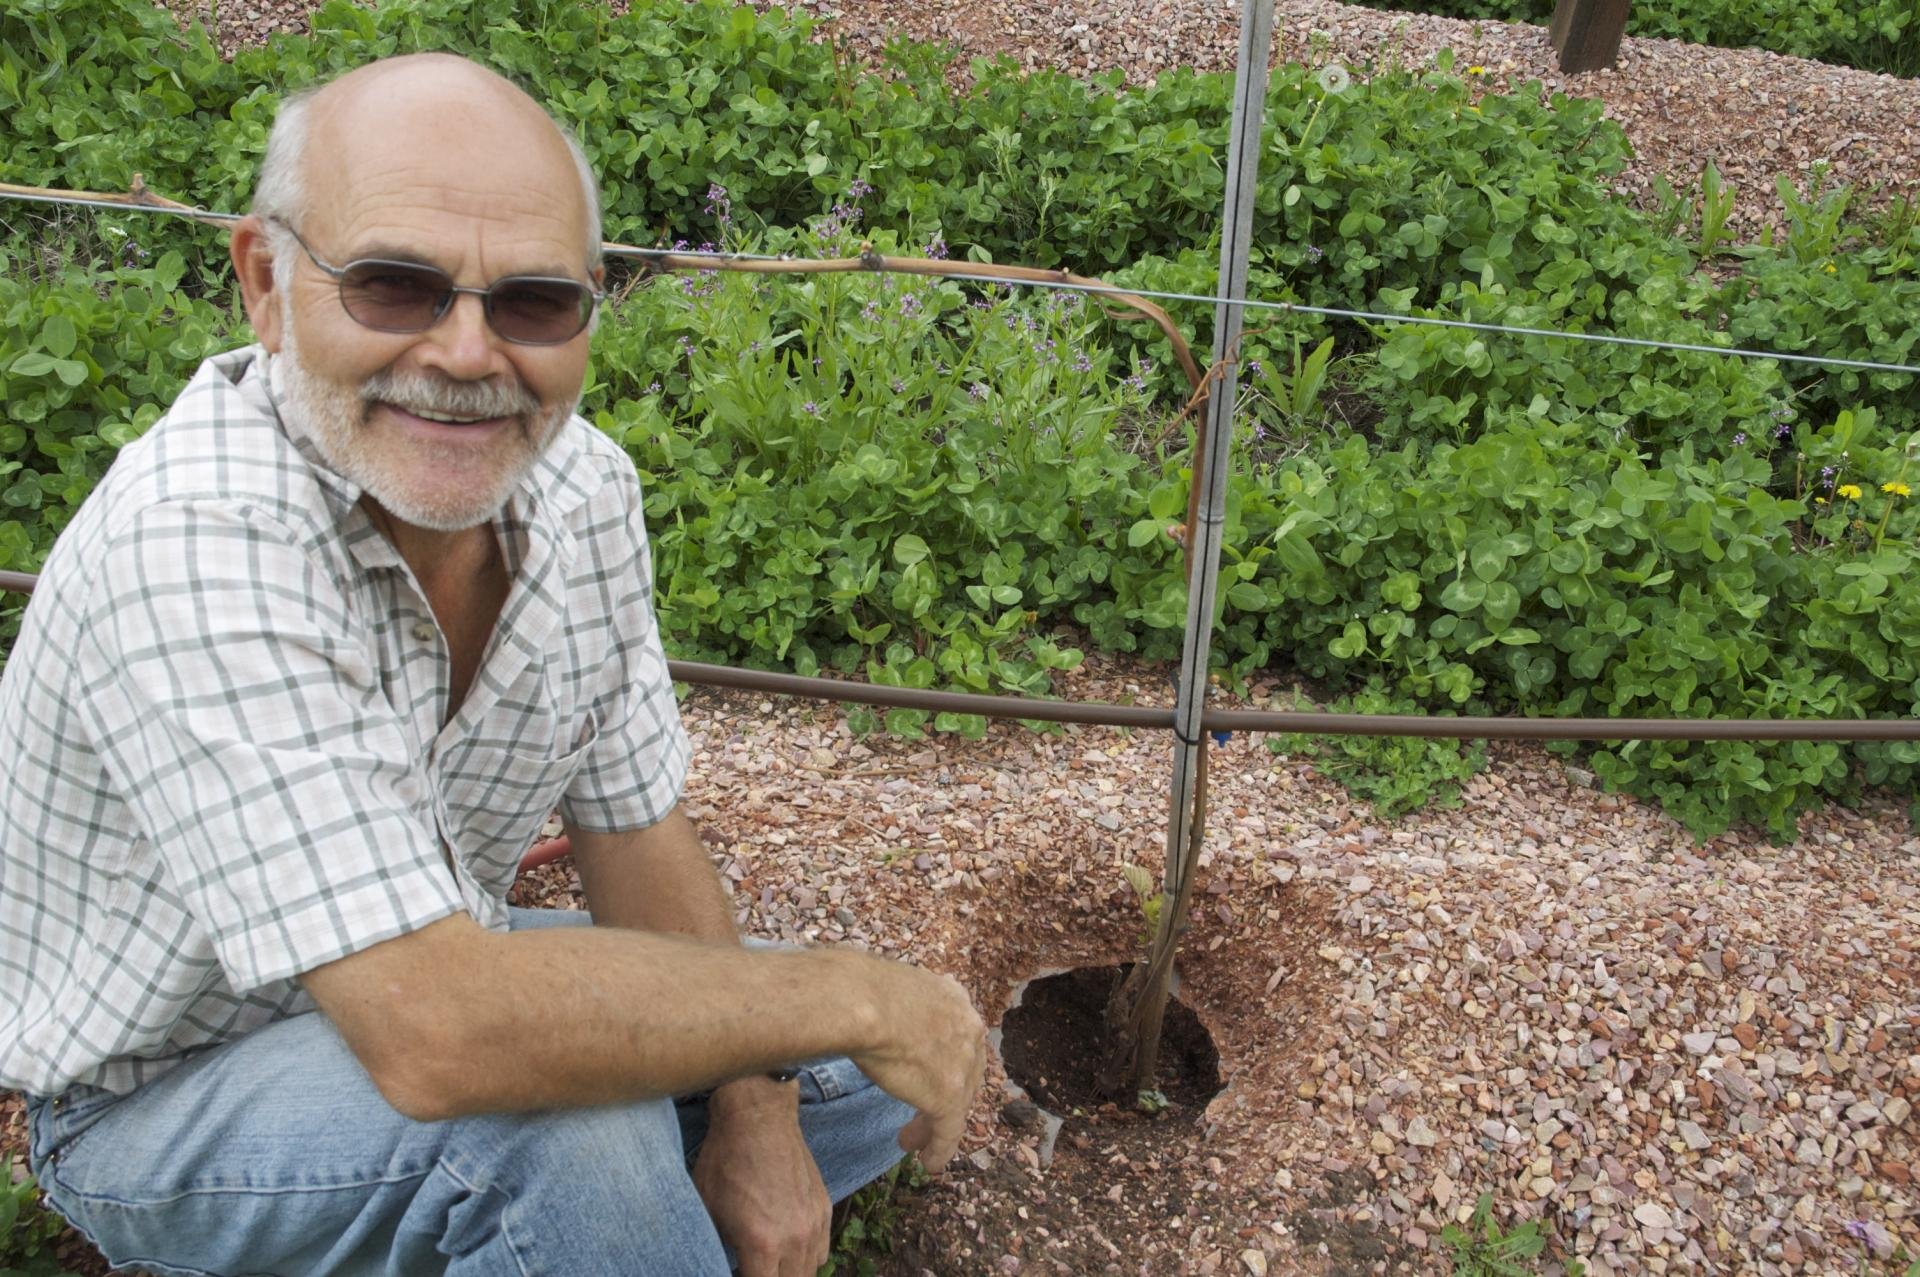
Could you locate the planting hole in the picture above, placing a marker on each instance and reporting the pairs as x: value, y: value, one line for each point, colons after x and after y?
x: 1053, y: 1042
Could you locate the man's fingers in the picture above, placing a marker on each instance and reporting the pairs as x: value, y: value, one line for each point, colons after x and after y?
x: 914, y: 1135
x: 934, y: 1139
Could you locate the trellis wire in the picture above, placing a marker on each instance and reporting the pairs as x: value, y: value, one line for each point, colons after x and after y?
x: 698, y: 260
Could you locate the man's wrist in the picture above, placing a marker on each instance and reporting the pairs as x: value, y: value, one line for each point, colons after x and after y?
x: 758, y: 1095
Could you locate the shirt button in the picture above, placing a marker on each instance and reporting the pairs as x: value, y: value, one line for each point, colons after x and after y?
x: 423, y: 631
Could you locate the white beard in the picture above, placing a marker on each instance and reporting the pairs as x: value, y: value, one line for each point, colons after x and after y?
x: 445, y: 488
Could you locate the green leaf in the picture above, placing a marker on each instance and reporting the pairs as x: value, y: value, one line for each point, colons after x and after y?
x: 58, y: 337
x: 1463, y: 594
x: 34, y: 363
x: 909, y: 550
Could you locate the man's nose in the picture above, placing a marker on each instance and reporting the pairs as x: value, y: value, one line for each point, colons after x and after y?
x: 463, y: 344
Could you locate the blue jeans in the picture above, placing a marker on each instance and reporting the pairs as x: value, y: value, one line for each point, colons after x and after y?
x: 275, y: 1155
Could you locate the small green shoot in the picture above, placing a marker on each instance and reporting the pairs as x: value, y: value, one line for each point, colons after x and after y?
x: 27, y: 1229
x: 1483, y: 1249
x: 1150, y: 900
x: 872, y: 1218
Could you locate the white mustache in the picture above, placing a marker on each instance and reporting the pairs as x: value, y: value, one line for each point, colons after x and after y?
x: 416, y: 392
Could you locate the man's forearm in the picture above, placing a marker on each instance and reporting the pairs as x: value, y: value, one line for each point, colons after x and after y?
x: 453, y: 1019
x: 662, y: 879
x: 655, y: 879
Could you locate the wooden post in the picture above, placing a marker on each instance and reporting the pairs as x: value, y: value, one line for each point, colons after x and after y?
x: 1587, y: 33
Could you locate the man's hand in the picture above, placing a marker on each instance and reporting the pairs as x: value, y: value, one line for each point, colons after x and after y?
x: 932, y: 1055
x: 760, y: 1182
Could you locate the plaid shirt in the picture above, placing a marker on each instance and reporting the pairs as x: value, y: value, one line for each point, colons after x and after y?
x: 223, y: 720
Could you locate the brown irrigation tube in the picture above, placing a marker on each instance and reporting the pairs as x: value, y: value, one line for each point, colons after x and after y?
x: 1253, y: 720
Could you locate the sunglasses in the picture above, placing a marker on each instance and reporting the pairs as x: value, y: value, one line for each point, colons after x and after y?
x: 408, y: 297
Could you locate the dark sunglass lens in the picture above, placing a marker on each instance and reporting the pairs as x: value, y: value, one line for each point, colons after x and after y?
x: 393, y: 296
x: 539, y: 311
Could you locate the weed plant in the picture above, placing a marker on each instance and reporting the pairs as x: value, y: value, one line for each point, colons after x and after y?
x: 27, y: 1229
x: 1484, y: 1249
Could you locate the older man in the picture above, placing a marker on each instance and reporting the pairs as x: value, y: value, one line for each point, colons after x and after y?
x: 300, y: 683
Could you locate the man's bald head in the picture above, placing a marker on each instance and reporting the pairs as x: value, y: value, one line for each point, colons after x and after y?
x: 425, y: 105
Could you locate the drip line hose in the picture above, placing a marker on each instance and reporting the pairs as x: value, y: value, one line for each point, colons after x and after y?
x: 1097, y: 713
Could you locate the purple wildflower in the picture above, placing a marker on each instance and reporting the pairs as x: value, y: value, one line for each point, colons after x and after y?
x: 937, y: 247
x: 811, y: 408
x: 1314, y: 253
x: 860, y: 189
x: 909, y: 305
x: 1782, y: 430
x: 898, y: 386
x: 977, y: 391
x: 652, y: 389
x: 870, y: 311
x: 719, y: 206
x: 1740, y: 438
x: 1081, y: 363
x: 1253, y: 367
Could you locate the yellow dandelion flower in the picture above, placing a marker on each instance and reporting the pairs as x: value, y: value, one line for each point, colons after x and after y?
x: 1897, y: 489
x: 1851, y: 491
x: 1476, y: 70
x: 1819, y: 500
x: 1831, y: 268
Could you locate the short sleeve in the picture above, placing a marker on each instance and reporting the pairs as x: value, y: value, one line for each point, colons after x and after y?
x: 637, y: 766
x: 237, y: 706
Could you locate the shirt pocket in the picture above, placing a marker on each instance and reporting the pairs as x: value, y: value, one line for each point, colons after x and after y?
x: 501, y: 797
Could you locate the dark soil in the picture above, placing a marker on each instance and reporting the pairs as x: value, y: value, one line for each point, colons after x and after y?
x: 1052, y: 1044
x: 1113, y: 1168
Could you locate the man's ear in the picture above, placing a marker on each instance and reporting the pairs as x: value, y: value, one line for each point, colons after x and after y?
x: 252, y: 255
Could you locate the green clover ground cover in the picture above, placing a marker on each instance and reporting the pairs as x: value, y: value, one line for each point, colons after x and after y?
x: 936, y: 485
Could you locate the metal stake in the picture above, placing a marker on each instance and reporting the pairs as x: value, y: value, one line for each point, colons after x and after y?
x: 1186, y: 812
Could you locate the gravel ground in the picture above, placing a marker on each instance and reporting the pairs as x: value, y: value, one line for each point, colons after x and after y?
x: 1686, y: 1059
